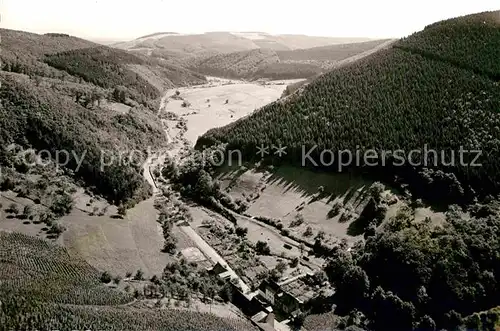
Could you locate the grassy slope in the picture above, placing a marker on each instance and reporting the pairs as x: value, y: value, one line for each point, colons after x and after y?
x: 390, y: 100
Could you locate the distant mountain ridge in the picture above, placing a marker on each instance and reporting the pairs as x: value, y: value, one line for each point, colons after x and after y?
x: 248, y: 55
x: 228, y: 42
x: 157, y: 34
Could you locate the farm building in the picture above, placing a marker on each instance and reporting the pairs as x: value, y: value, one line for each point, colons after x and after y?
x: 291, y: 295
x: 268, y: 290
x: 264, y: 321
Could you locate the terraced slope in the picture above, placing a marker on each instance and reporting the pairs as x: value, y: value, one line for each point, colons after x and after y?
x: 42, y: 287
x: 34, y: 268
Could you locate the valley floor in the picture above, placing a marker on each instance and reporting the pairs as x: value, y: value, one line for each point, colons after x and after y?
x: 221, y: 102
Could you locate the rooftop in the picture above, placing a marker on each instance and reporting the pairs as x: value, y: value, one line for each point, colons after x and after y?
x: 302, y: 291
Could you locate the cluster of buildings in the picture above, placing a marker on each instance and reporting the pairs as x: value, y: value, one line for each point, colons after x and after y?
x: 285, y: 299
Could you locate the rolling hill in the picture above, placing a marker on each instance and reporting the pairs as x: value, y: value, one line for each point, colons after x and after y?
x: 227, y: 42
x: 249, y: 55
x: 271, y: 64
x: 57, y: 56
x: 428, y: 89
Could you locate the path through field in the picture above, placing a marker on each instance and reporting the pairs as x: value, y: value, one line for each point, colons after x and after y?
x: 120, y: 245
x: 364, y: 54
x: 125, y: 245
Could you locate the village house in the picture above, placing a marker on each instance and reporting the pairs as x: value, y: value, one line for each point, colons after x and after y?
x: 292, y: 295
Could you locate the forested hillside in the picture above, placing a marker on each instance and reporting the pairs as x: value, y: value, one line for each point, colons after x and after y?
x: 287, y: 70
x: 35, y: 45
x: 45, y: 118
x: 22, y: 52
x: 58, y: 94
x: 329, y: 53
x: 471, y: 42
x: 102, y: 66
x: 234, y: 65
x: 108, y: 68
x: 398, y: 99
x: 68, y: 58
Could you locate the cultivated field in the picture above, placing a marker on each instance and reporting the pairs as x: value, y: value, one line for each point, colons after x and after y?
x: 38, y: 268
x: 291, y: 197
x: 119, y: 245
x: 135, y: 242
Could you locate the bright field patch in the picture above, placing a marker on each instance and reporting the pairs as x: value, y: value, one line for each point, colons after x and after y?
x: 117, y: 245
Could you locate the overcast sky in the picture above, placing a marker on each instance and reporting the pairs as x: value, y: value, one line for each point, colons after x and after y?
x: 126, y: 19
